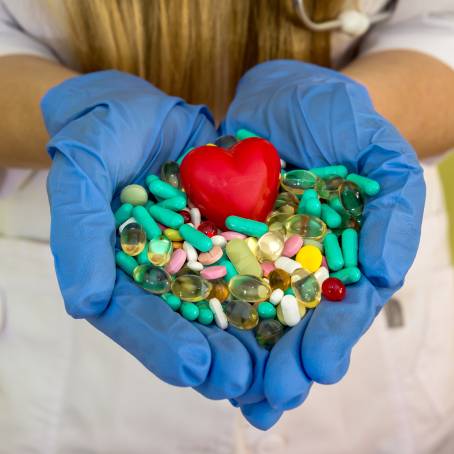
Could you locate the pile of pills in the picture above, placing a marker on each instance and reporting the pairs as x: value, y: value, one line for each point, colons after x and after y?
x: 253, y: 275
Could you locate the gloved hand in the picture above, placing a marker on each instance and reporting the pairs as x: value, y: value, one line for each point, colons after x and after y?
x: 110, y: 129
x: 317, y: 117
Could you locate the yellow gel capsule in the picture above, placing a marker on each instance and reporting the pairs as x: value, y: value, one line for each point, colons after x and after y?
x: 279, y: 279
x: 306, y: 226
x: 219, y: 290
x: 270, y: 246
x: 309, y: 304
x: 241, y: 314
x: 276, y: 221
x: 133, y: 239
x: 305, y: 286
x: 160, y: 251
x: 310, y: 258
x: 297, y: 181
x: 173, y: 235
x: 191, y: 287
x: 286, y: 199
x: 249, y: 288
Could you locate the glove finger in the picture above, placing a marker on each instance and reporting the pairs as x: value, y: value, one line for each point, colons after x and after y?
x: 231, y: 370
x: 163, y: 341
x: 258, y: 358
x: 261, y: 415
x: 334, y: 329
x: 286, y: 382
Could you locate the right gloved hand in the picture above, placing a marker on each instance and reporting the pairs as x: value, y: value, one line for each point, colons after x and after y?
x: 110, y: 129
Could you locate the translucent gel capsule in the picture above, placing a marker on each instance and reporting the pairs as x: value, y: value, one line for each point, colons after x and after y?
x: 286, y: 209
x: 297, y: 181
x: 133, y: 239
x: 152, y: 278
x: 328, y: 186
x: 241, y: 314
x: 285, y: 199
x: 351, y: 198
x: 269, y: 332
x: 191, y: 287
x: 306, y: 226
x: 279, y: 279
x: 252, y: 244
x: 305, y: 286
x: 170, y: 173
x: 276, y: 221
x: 270, y: 246
x: 160, y: 251
x: 219, y: 290
x: 249, y: 288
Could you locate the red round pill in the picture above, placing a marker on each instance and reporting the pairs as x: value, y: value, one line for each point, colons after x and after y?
x: 186, y: 216
x: 208, y: 228
x: 333, y: 289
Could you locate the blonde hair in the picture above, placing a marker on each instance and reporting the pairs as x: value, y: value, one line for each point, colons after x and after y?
x: 196, y: 49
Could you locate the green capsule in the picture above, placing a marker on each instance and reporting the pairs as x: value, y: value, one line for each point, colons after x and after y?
x: 297, y: 181
x: 248, y: 227
x: 164, y: 190
x: 123, y: 214
x: 191, y: 287
x: 152, y: 279
x: 333, y: 253
x: 174, y: 203
x: 196, y: 238
x: 309, y: 194
x: 268, y: 332
x: 242, y: 134
x: 249, y: 288
x: 325, y: 172
x: 134, y: 194
x: 142, y: 258
x: 330, y: 216
x: 172, y: 300
x: 170, y: 173
x: 240, y: 314
x: 336, y: 204
x: 189, y: 311
x: 367, y: 185
x: 244, y: 261
x: 351, y: 199
x: 350, y: 247
x: 348, y: 275
x: 124, y: 261
x: 305, y: 286
x: 231, y: 271
x: 159, y: 251
x: 206, y: 315
x: 306, y: 226
x: 313, y: 207
x: 133, y: 239
x: 166, y: 216
x: 266, y: 310
x: 289, y: 291
x: 142, y: 216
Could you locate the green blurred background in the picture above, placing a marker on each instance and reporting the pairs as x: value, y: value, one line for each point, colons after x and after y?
x: 447, y: 175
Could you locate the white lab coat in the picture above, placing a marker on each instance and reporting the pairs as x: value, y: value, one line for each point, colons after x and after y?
x: 66, y: 388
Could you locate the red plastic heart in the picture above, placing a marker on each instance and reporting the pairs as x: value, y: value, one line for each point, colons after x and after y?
x: 241, y: 181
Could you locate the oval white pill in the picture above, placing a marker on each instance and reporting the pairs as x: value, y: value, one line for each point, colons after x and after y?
x: 191, y: 253
x: 276, y: 296
x: 195, y: 266
x: 218, y: 240
x: 196, y: 217
x: 290, y: 310
x: 219, y: 316
x: 287, y: 264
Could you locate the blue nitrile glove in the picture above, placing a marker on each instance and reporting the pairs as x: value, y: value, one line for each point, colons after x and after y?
x: 110, y: 129
x: 317, y: 117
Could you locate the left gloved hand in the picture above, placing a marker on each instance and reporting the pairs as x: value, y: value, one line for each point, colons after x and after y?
x: 318, y: 117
